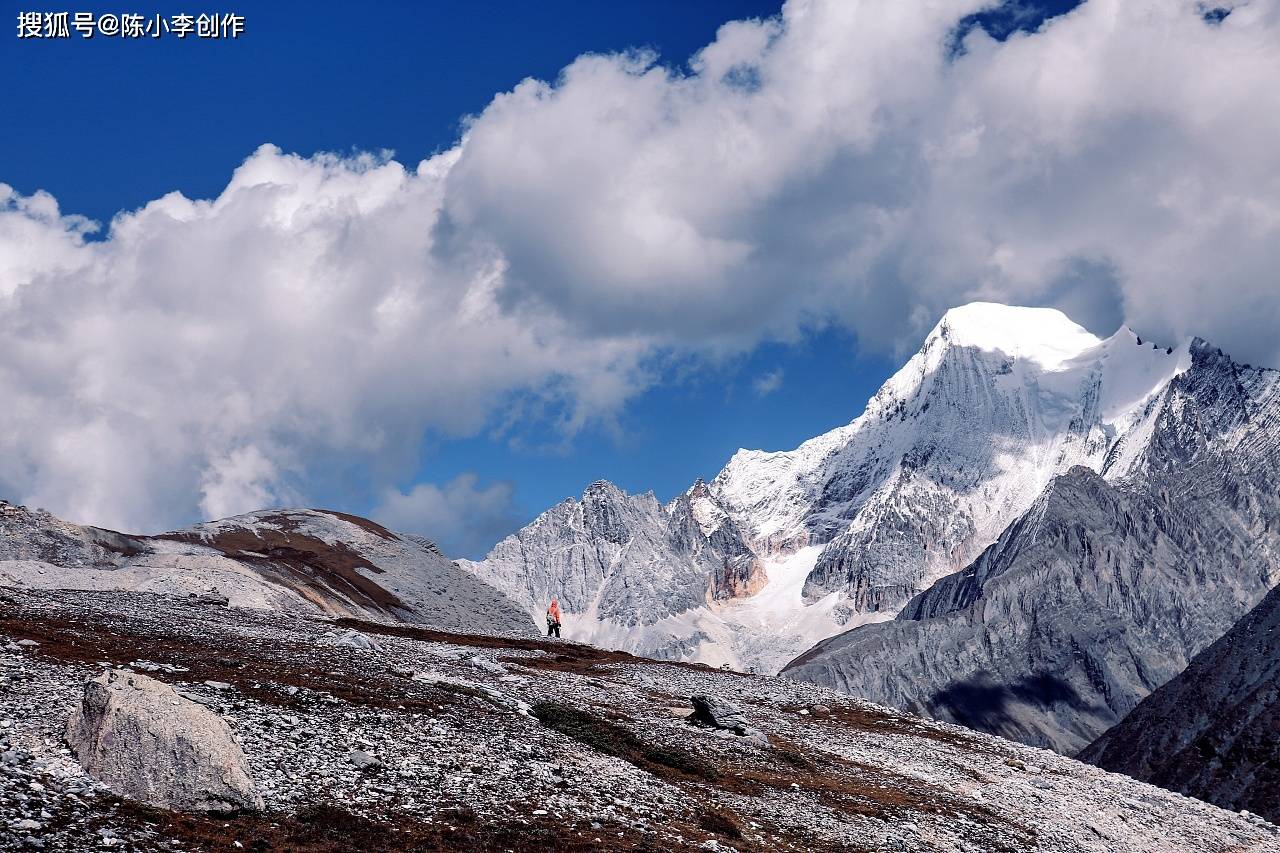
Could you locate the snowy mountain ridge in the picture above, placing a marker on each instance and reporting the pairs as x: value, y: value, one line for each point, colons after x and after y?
x: 851, y: 524
x: 1045, y: 364
x: 1106, y: 587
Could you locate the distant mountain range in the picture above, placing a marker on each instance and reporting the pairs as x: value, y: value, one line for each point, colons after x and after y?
x: 1028, y: 531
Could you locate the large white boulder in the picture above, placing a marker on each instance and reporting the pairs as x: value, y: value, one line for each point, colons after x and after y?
x: 145, y: 742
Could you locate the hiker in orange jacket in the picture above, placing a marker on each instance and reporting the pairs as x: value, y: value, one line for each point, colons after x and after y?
x: 553, y: 618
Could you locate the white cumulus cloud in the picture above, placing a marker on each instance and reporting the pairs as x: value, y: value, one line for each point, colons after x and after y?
x: 834, y: 165
x: 766, y: 383
x: 461, y: 516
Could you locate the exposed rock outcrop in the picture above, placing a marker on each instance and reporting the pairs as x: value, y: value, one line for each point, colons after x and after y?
x: 1213, y: 731
x: 146, y: 742
x: 725, y: 716
x: 719, y: 713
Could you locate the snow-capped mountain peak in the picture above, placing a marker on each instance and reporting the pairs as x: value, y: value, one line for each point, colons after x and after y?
x: 958, y: 443
x: 705, y: 508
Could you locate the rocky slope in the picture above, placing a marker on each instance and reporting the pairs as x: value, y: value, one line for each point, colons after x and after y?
x: 288, y: 560
x: 846, y: 528
x: 417, y: 739
x: 1106, y: 588
x: 629, y: 572
x: 1212, y: 731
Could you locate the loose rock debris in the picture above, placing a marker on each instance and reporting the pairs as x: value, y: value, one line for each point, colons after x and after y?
x: 430, y: 740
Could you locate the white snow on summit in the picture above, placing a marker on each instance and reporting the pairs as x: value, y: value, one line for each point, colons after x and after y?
x: 1043, y: 335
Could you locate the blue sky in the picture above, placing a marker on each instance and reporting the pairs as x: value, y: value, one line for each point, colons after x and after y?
x: 770, y: 319
x: 112, y: 125
x: 109, y: 125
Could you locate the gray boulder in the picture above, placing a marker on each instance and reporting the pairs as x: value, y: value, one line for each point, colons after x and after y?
x: 364, y: 760
x: 719, y: 713
x: 356, y: 640
x: 724, y: 715
x: 146, y: 742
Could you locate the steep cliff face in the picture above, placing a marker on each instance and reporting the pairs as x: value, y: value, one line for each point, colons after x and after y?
x: 610, y: 554
x: 849, y: 526
x: 701, y: 525
x: 1213, y: 731
x: 1106, y: 587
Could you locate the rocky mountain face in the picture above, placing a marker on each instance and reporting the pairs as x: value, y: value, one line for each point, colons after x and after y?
x: 1213, y: 731
x: 300, y: 561
x: 418, y: 739
x: 623, y: 563
x: 1106, y: 587
x: 707, y: 529
x: 844, y: 530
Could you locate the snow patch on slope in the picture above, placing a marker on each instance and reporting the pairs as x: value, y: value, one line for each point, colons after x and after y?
x: 756, y: 634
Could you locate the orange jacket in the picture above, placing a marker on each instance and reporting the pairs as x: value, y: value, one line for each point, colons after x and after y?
x: 554, y: 611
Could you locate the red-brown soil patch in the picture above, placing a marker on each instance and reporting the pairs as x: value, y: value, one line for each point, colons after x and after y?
x: 561, y: 655
x: 848, y: 787
x: 331, y: 829
x: 310, y: 566
x: 876, y: 722
x: 251, y: 666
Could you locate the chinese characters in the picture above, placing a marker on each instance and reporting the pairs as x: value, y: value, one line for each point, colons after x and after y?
x: 65, y: 25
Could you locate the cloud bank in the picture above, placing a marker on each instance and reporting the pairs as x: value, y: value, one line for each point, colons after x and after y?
x: 838, y: 164
x: 467, y: 518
